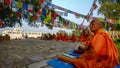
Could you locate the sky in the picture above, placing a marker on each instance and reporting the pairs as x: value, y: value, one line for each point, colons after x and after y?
x: 79, y: 6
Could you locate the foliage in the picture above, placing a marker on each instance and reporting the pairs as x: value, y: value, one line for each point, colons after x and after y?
x: 110, y: 8
x: 118, y: 46
x: 76, y: 32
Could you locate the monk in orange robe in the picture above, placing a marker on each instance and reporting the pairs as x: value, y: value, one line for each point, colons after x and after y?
x: 58, y: 36
x: 53, y: 37
x: 102, y: 52
x: 65, y: 37
x: 73, y: 38
x: 85, y: 39
x: 61, y: 37
x: 84, y: 35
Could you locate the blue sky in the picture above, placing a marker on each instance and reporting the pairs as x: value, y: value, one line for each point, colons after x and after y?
x: 79, y: 6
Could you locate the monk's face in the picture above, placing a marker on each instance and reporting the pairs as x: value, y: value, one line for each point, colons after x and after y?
x: 94, y: 26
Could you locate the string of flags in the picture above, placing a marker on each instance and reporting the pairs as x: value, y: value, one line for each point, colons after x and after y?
x: 43, y: 14
x: 77, y: 15
x: 112, y: 21
x: 46, y: 15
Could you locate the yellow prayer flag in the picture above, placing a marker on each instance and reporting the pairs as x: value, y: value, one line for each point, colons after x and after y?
x: 45, y: 21
x: 118, y: 21
x: 73, y: 25
x: 11, y: 15
x: 101, y: 19
x: 49, y: 16
x: 19, y: 4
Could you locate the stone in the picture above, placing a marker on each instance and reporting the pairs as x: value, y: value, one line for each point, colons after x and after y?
x: 35, y: 58
x: 51, y: 55
x: 11, y: 55
x: 47, y: 67
x: 38, y: 64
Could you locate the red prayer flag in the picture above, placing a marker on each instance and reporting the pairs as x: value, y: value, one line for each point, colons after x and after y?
x: 113, y: 21
x: 0, y: 23
x: 40, y: 2
x: 94, y: 6
x: 52, y: 21
x: 7, y: 2
x: 39, y: 12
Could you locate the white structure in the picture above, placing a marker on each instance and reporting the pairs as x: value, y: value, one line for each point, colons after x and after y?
x: 18, y: 33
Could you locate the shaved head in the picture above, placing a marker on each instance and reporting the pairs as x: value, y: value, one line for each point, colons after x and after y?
x: 95, y: 25
x: 97, y: 22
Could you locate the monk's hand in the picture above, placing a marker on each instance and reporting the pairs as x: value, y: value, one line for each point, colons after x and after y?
x: 58, y: 55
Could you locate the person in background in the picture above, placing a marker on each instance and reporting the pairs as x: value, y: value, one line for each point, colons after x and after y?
x: 73, y: 38
x: 53, y: 37
x: 85, y: 40
x: 65, y: 37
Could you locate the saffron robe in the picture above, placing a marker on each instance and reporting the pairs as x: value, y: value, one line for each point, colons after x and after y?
x: 102, y: 53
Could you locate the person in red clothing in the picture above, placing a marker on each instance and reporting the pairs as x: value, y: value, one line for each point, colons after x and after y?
x: 59, y: 36
x: 73, y: 38
x: 65, y: 37
x: 83, y: 40
x: 53, y: 37
x: 84, y: 35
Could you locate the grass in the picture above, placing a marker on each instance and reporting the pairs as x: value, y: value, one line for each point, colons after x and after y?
x: 118, y: 46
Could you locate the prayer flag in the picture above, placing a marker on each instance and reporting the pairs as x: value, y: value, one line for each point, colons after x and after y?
x: 30, y: 8
x: 77, y: 15
x: 0, y: 23
x: 118, y: 21
x: 101, y: 19
x: 41, y: 2
x: 44, y: 11
x: 65, y: 13
x: 19, y: 4
x: 7, y: 2
x: 25, y: 6
x: 113, y: 21
x: 108, y: 20
x: 94, y: 6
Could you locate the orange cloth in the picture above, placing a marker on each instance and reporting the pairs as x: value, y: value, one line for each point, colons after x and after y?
x: 102, y: 54
x: 59, y: 37
x: 83, y: 38
x: 66, y: 38
x: 54, y: 37
x: 73, y: 38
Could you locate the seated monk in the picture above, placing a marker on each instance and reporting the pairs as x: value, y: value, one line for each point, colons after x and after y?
x: 85, y: 39
x: 102, y: 52
x: 65, y: 37
x: 53, y: 37
x: 89, y: 39
x: 84, y: 35
x: 59, y: 36
x: 73, y: 38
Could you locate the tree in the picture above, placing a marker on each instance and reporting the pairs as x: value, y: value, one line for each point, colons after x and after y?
x: 110, y: 8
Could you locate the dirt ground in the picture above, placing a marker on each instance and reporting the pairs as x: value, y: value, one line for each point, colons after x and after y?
x: 22, y: 53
